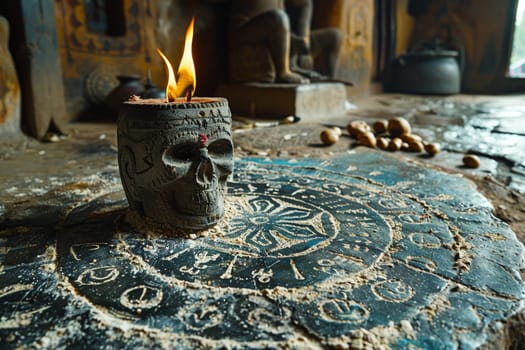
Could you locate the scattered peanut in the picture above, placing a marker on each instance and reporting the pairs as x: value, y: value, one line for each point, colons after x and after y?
x: 432, y: 148
x: 415, y: 146
x: 329, y: 136
x: 380, y: 126
x: 367, y: 139
x: 471, y: 161
x: 395, y: 144
x: 382, y: 143
x: 357, y: 127
x: 408, y: 138
x: 400, y: 137
x: 398, y: 126
x: 337, y: 130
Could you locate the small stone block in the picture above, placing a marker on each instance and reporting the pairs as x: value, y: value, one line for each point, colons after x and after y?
x: 307, y: 101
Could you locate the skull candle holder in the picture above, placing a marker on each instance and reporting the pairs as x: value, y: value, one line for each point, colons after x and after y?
x: 174, y: 159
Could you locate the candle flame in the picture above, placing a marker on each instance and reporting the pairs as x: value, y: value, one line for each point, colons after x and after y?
x: 186, y: 81
x: 186, y: 73
x: 171, y: 87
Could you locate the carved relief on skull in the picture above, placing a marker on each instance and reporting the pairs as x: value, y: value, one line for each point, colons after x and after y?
x: 175, y: 159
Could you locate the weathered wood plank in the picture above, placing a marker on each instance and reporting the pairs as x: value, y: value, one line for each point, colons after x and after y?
x: 35, y: 48
x: 9, y: 87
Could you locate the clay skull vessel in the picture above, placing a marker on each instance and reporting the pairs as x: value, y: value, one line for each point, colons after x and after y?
x: 175, y: 158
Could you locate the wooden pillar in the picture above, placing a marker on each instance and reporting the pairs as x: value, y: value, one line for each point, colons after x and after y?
x: 35, y: 49
x: 355, y: 19
x: 9, y: 87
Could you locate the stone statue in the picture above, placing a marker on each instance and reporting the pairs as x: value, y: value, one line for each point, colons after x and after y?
x: 311, y: 49
x: 271, y: 41
x: 260, y: 42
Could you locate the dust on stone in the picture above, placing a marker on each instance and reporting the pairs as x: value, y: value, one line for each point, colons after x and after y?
x: 152, y: 229
x: 377, y: 338
x: 494, y: 236
x: 437, y: 305
x: 463, y: 257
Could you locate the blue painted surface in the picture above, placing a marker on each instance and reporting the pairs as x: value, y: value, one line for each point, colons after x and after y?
x: 360, y: 242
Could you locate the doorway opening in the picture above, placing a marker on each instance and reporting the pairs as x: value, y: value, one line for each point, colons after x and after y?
x: 517, y: 57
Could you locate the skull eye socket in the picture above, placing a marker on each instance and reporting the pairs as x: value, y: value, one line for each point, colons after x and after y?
x: 220, y: 149
x: 185, y: 152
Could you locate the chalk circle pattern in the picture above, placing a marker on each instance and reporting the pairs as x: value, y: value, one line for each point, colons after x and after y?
x: 311, y: 243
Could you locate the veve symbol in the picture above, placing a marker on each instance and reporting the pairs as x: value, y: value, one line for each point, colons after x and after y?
x: 343, y: 311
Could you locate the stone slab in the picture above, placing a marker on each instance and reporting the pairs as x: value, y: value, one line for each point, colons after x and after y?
x: 360, y: 250
x: 307, y: 101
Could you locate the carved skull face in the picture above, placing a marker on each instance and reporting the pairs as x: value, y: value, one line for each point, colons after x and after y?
x: 199, y: 162
x: 174, y: 160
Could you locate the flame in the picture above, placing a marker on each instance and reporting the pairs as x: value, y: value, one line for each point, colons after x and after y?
x: 186, y: 73
x: 172, y: 83
x: 186, y: 81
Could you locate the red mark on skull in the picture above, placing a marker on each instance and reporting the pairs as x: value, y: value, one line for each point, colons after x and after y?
x: 203, y: 139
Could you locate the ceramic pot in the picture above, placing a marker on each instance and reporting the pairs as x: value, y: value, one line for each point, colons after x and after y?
x: 129, y: 85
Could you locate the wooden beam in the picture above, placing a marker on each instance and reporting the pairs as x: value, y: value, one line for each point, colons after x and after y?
x: 35, y: 49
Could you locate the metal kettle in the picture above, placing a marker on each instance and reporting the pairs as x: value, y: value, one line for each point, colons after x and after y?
x: 428, y: 69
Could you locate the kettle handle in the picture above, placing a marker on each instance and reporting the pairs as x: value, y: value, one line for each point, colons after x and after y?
x: 453, y: 44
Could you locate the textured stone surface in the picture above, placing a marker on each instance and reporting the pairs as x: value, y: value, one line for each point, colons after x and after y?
x: 489, y: 127
x: 358, y: 250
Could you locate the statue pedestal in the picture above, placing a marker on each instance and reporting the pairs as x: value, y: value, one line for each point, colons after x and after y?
x: 307, y: 101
